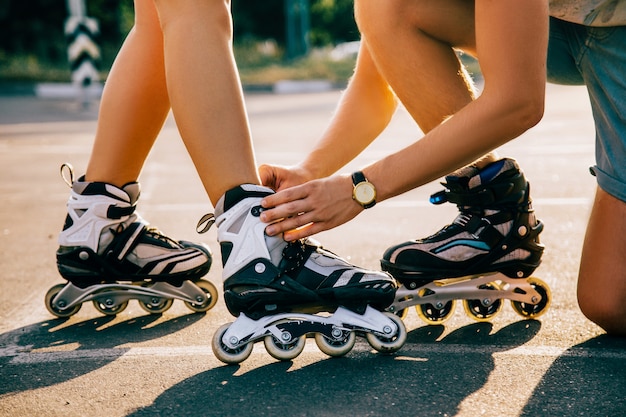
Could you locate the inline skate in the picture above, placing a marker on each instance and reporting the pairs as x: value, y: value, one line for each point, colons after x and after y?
x: 280, y: 292
x: 486, y: 255
x: 110, y: 255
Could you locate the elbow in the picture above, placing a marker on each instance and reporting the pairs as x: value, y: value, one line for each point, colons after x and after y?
x: 526, y: 111
x: 533, y: 111
x: 518, y: 109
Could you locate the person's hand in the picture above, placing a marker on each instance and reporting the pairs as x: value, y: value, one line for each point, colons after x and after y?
x: 310, y: 208
x: 279, y: 177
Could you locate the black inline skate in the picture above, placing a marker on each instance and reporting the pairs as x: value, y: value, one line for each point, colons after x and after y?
x: 109, y: 255
x: 487, y: 254
x: 276, y: 289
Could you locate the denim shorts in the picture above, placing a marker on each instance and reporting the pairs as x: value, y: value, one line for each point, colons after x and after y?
x: 596, y: 57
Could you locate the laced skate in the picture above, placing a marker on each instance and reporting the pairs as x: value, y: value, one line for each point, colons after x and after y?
x: 276, y: 290
x: 487, y: 254
x: 110, y: 255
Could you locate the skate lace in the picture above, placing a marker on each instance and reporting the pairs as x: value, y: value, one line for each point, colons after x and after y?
x: 157, y: 234
x: 463, y: 219
x: 150, y: 231
x: 294, y: 256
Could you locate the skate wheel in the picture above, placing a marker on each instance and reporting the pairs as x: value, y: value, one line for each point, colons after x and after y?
x: 226, y: 354
x: 484, y: 309
x: 284, y: 351
x: 157, y: 305
x: 432, y: 314
x: 336, y: 346
x: 211, y: 297
x: 532, y: 311
x: 52, y: 292
x: 109, y: 310
x: 391, y: 343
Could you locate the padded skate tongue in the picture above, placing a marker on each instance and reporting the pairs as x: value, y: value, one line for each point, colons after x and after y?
x: 275, y: 244
x: 491, y: 171
x: 133, y: 190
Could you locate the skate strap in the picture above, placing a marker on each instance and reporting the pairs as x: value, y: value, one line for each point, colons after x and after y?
x: 115, y: 212
x: 481, y: 228
x: 510, y: 192
x: 126, y: 241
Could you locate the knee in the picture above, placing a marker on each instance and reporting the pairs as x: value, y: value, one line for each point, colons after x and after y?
x: 607, y: 310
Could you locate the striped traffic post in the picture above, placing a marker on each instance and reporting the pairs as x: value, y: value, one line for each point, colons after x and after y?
x: 83, y: 51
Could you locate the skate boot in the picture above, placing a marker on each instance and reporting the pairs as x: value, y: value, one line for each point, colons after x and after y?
x: 277, y: 288
x: 487, y: 254
x: 109, y: 255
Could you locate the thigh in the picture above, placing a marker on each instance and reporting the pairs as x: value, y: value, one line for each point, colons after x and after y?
x: 602, y: 67
x: 410, y: 42
x: 564, y: 45
x: 596, y: 57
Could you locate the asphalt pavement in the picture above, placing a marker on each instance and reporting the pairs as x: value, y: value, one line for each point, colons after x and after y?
x: 135, y: 364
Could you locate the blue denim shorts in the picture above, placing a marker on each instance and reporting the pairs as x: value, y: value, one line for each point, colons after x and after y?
x: 596, y: 57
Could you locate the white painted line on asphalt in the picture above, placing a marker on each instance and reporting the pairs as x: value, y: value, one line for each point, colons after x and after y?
x: 408, y: 352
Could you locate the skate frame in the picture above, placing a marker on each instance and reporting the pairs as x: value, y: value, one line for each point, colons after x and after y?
x: 439, y: 292
x: 245, y: 330
x: 114, y: 294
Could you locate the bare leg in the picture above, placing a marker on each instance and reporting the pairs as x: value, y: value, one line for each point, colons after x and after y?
x: 602, y: 275
x: 412, y: 43
x: 206, y: 94
x: 134, y: 103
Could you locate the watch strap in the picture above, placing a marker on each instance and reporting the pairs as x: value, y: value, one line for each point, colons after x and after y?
x: 358, y: 177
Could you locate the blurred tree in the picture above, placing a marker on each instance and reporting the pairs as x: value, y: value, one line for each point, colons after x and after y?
x: 33, y: 29
x: 332, y: 21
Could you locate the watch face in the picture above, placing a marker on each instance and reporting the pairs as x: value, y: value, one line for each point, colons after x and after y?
x: 364, y: 193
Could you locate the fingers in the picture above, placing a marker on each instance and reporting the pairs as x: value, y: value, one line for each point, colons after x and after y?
x: 296, y: 225
x: 268, y: 176
x: 285, y: 203
x: 310, y: 208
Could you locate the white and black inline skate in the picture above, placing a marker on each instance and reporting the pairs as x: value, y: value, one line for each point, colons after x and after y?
x: 280, y: 292
x: 109, y: 255
x: 486, y: 255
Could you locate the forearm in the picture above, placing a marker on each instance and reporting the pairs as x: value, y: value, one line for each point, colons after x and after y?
x: 479, y: 128
x: 364, y: 111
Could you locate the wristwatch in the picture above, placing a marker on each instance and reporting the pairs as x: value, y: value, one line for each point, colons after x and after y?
x: 364, y: 191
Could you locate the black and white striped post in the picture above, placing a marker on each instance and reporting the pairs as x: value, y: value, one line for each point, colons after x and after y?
x: 83, y: 51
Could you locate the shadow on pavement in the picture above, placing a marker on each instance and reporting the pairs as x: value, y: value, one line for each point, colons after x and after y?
x: 360, y: 384
x: 588, y: 379
x: 91, y: 334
